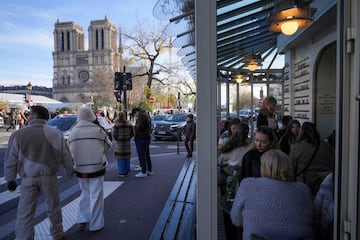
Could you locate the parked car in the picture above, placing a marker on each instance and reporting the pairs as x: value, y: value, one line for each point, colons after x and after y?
x: 223, y: 117
x: 170, y: 127
x: 65, y: 123
x: 155, y: 119
x: 1, y: 122
x: 245, y: 115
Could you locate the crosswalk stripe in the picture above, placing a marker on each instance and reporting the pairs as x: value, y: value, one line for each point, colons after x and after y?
x: 9, y: 227
x: 3, y: 181
x: 7, y: 195
x: 69, y: 213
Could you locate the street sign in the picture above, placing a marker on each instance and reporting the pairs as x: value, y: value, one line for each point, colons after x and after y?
x: 151, y: 100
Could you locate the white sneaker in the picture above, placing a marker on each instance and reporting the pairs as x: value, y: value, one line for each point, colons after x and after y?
x: 137, y: 168
x: 141, y: 175
x: 150, y: 173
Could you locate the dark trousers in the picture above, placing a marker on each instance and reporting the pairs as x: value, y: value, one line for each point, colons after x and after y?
x: 232, y: 232
x: 142, y: 149
x: 189, y: 145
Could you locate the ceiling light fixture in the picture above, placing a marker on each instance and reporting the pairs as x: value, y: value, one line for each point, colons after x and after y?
x: 289, y: 19
x: 239, y: 78
x: 252, y: 61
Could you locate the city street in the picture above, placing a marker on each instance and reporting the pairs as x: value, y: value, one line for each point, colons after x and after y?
x: 132, y: 205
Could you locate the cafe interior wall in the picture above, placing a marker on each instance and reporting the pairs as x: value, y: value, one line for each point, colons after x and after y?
x: 310, y: 80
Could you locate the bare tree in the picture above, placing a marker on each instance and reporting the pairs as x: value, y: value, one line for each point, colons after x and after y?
x: 146, y: 47
x: 102, y: 88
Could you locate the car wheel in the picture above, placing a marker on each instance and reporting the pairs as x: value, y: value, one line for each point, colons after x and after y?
x: 183, y: 137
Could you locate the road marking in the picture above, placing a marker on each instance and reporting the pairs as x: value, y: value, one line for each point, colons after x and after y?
x: 69, y: 213
x: 3, y: 181
x: 7, y: 195
x: 8, y: 228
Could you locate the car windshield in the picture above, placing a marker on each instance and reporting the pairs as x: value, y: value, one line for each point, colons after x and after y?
x: 176, y: 118
x: 62, y: 123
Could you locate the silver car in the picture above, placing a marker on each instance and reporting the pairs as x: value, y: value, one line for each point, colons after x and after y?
x: 65, y: 123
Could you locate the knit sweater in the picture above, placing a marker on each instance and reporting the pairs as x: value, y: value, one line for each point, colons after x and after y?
x: 324, y: 208
x: 273, y: 209
x: 234, y: 157
x: 36, y: 150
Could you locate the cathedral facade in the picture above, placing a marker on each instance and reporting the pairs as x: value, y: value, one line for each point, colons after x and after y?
x: 81, y: 74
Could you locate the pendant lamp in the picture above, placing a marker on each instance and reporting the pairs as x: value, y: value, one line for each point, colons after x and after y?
x: 252, y: 61
x: 290, y: 18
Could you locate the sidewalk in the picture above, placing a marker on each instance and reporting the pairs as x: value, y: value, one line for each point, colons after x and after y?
x: 132, y: 210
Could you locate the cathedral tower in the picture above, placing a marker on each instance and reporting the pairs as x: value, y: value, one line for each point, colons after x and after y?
x: 80, y: 74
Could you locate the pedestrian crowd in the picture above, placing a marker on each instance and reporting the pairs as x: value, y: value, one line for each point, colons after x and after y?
x: 82, y: 155
x: 278, y: 186
x: 15, y: 119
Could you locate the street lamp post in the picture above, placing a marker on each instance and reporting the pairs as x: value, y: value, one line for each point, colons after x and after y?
x: 29, y: 88
x: 179, y: 104
x: 168, y: 105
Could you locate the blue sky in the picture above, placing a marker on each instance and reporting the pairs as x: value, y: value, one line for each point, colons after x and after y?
x: 26, y: 31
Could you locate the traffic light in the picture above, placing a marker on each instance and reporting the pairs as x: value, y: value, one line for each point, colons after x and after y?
x: 119, y: 81
x: 128, y: 81
x: 26, y: 97
x: 118, y: 96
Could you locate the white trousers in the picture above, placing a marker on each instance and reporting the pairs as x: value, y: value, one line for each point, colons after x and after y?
x: 91, y: 203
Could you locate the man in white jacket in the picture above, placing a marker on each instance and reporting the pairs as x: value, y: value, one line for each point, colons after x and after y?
x: 88, y: 143
x: 35, y: 153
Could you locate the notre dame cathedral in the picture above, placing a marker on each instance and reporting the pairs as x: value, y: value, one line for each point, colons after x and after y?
x: 81, y: 74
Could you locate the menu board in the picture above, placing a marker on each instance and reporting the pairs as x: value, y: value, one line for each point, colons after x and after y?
x: 301, y: 86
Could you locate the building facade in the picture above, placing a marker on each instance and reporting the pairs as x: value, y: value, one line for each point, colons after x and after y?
x: 80, y: 74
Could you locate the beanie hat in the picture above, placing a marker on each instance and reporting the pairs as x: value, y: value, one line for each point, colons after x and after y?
x: 86, y: 114
x: 41, y: 112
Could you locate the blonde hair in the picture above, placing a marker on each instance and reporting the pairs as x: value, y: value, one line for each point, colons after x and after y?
x: 277, y: 165
x: 268, y: 100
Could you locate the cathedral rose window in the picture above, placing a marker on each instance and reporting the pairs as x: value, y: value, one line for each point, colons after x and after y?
x: 84, y: 76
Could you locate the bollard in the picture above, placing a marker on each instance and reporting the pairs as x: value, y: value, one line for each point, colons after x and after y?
x: 178, y: 141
